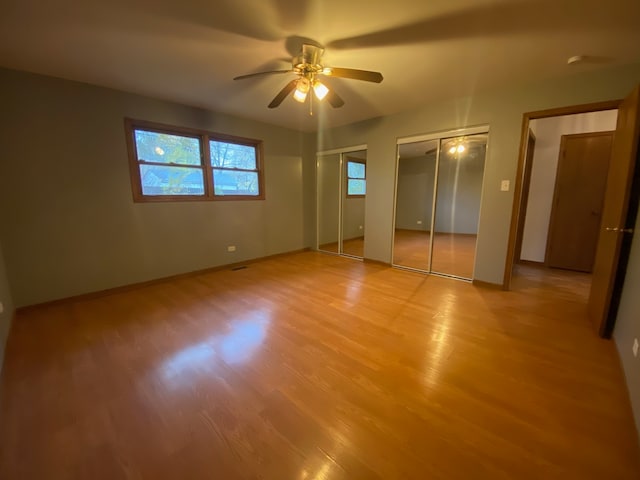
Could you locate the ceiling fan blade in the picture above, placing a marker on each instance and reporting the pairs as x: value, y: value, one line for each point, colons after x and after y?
x: 354, y: 74
x: 334, y: 100
x: 483, y: 19
x: 288, y: 88
x: 258, y: 74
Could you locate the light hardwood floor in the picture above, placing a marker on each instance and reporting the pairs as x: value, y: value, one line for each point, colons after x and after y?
x: 352, y: 246
x: 453, y: 254
x: 312, y: 366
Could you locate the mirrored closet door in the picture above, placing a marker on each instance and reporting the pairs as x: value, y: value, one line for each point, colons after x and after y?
x: 416, y: 179
x: 328, y: 189
x: 438, y: 193
x: 354, y: 169
x: 341, y: 189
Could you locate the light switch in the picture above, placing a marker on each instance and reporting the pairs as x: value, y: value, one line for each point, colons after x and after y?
x: 504, y: 186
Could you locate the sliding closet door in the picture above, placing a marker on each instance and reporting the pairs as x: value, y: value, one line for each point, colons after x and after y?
x: 354, y: 169
x: 459, y: 189
x: 438, y: 193
x: 328, y: 189
x: 414, y: 204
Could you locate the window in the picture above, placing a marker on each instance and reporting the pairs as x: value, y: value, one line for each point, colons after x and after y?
x: 168, y: 164
x: 235, y: 168
x: 356, y: 178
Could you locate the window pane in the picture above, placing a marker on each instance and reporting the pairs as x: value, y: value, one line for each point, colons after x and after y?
x: 166, y: 148
x: 157, y: 180
x: 355, y: 170
x: 232, y: 155
x: 357, y: 187
x: 228, y: 182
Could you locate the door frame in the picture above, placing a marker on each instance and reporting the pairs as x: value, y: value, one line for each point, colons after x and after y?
x: 517, y: 191
x: 524, y: 198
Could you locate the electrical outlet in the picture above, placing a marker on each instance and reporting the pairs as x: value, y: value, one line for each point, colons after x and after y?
x: 419, y: 222
x: 504, y: 185
x: 635, y: 347
x: 231, y: 248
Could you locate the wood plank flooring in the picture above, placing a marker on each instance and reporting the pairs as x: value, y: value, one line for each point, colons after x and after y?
x: 351, y: 246
x: 312, y: 366
x: 453, y: 254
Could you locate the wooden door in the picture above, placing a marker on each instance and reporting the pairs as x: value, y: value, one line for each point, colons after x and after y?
x: 614, y: 214
x: 577, y: 201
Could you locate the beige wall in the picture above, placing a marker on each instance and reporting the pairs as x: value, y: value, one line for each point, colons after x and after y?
x: 502, y: 110
x: 71, y: 226
x: 548, y: 132
x: 309, y: 189
x: 7, y: 304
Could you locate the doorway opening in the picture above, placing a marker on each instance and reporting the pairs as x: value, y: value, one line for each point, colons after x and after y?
x: 563, y: 187
x: 617, y: 211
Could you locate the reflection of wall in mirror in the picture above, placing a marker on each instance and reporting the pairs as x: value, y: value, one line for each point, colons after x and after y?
x: 353, y: 217
x: 353, y: 206
x: 328, y: 198
x: 459, y: 193
x: 415, y: 192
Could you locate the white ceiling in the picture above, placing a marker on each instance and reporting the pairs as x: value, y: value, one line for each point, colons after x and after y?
x: 189, y: 51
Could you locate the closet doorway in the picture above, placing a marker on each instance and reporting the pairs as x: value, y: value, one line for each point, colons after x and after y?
x: 439, y: 181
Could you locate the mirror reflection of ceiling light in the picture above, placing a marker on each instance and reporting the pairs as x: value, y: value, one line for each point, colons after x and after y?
x: 457, y: 149
x: 159, y: 151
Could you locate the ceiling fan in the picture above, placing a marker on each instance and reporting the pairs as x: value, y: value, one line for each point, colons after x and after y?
x: 307, y: 66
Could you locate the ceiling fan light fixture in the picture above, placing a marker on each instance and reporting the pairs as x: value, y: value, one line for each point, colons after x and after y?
x: 299, y: 96
x: 307, y: 67
x: 302, y: 88
x: 320, y: 90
